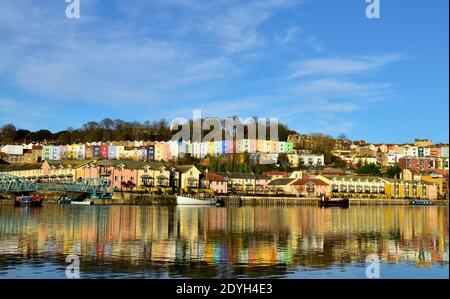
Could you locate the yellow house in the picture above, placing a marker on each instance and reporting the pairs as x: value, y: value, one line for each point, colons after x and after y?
x: 438, y: 180
x: 410, y: 189
x: 152, y: 176
x: 188, y: 177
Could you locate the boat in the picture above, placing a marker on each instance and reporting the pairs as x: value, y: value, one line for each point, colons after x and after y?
x: 421, y: 202
x: 32, y: 200
x: 82, y: 203
x: 64, y: 200
x: 185, y: 200
x: 326, y: 201
x: 69, y: 201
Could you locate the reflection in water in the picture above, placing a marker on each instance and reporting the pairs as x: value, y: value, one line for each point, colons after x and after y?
x: 154, y: 241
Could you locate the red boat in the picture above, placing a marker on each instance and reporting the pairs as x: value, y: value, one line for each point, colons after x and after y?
x: 33, y: 201
x: 327, y: 201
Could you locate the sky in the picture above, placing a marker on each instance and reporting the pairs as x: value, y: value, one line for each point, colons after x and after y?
x: 316, y: 65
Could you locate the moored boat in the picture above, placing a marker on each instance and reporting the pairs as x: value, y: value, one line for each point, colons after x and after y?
x: 421, y: 202
x: 327, y: 201
x: 185, y: 200
x: 32, y: 200
x: 69, y: 201
x: 82, y: 203
x: 64, y: 200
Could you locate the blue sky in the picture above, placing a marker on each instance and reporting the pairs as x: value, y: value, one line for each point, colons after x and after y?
x: 319, y: 66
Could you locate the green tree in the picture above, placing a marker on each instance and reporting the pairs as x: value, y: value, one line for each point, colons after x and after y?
x: 393, y: 172
x: 8, y: 133
x: 370, y: 169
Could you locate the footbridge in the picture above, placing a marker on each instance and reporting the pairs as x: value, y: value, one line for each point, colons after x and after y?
x: 93, y: 187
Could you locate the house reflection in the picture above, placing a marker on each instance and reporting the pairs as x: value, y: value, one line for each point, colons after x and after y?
x: 222, y: 242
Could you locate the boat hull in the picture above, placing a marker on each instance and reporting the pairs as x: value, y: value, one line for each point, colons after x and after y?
x: 183, y: 200
x: 421, y: 202
x: 28, y: 201
x: 335, y: 203
x: 82, y: 203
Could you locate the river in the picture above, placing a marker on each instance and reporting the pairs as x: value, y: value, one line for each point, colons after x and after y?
x: 118, y: 241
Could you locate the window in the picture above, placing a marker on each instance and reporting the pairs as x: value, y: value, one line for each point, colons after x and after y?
x: 115, y: 178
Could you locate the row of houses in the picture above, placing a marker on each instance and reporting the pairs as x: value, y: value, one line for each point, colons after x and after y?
x: 157, y: 151
x: 128, y: 175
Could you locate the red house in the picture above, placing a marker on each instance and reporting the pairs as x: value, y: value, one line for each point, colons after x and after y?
x: 104, y: 152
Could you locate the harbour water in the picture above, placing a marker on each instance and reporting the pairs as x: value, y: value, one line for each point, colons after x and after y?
x: 118, y: 241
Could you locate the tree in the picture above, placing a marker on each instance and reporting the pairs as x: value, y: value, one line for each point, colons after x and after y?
x: 8, y: 133
x: 371, y: 169
x: 283, y: 160
x: 21, y: 134
x: 322, y: 144
x: 393, y: 172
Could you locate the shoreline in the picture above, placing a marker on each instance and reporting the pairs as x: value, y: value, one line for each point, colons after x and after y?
x: 123, y: 198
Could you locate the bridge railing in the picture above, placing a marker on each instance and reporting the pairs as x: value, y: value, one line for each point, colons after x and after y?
x: 95, y: 187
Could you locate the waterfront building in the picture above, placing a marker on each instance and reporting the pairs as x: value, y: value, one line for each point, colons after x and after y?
x: 261, y: 182
x: 188, y: 177
x: 355, y: 186
x: 63, y: 171
x: 63, y: 152
x: 31, y: 170
x: 281, y: 186
x: 310, y: 187
x: 153, y: 176
x: 407, y: 189
x: 215, y: 182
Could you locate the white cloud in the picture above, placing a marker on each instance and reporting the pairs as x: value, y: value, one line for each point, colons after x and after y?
x: 341, y: 66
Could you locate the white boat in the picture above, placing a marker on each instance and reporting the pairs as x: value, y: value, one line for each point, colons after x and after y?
x: 82, y: 203
x: 184, y: 200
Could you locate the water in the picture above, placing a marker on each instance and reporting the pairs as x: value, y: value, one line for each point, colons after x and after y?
x: 232, y: 242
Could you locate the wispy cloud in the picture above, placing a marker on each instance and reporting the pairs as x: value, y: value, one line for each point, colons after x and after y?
x: 342, y: 66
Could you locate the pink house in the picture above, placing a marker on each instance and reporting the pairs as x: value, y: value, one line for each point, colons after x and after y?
x: 216, y: 182
x: 311, y: 187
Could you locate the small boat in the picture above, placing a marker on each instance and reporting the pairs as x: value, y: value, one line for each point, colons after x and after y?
x: 64, y: 200
x: 329, y: 202
x: 185, y: 200
x: 69, y: 201
x: 82, y: 203
x: 33, y: 201
x: 421, y: 202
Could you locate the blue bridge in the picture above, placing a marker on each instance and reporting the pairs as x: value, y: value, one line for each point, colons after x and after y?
x: 94, y: 188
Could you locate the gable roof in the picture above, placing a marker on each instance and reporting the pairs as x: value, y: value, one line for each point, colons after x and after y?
x: 308, y: 181
x: 281, y: 182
